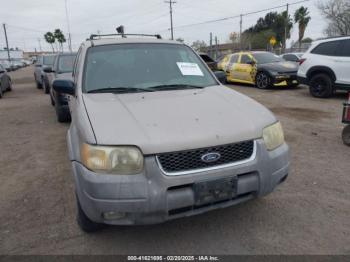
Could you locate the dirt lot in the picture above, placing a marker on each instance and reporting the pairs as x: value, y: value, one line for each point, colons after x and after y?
x: 308, y: 214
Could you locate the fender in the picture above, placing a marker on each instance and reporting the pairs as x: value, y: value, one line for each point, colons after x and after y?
x: 321, y: 69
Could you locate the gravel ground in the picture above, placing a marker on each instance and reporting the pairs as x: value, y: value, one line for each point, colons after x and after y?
x: 308, y: 214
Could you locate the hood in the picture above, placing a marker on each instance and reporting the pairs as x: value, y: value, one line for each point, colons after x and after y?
x: 284, y: 66
x: 169, y: 121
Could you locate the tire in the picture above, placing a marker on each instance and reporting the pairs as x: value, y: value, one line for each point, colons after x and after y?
x: 85, y: 223
x: 262, y: 80
x: 1, y: 92
x: 321, y: 86
x: 346, y: 135
x: 45, y: 87
x: 52, y: 101
x: 9, y: 89
x: 63, y: 116
x: 38, y: 85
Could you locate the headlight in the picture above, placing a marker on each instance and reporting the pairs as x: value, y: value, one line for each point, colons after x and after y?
x: 119, y: 160
x: 273, y: 136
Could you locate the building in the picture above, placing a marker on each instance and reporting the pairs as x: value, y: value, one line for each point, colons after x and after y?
x: 14, y: 54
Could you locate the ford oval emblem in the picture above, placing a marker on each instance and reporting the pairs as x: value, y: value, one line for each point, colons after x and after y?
x: 210, y: 157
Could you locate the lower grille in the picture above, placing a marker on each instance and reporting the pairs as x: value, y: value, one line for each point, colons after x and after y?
x: 193, y: 159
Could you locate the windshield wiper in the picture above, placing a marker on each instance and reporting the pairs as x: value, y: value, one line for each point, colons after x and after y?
x: 175, y: 87
x: 119, y: 90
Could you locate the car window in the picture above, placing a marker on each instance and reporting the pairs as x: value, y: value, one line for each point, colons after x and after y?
x: 143, y: 66
x: 65, y: 63
x: 328, y: 49
x: 245, y: 59
x: 234, y: 59
x: 49, y: 60
x: 266, y: 58
x: 290, y: 57
x: 344, y: 49
x: 76, y: 65
x: 206, y: 58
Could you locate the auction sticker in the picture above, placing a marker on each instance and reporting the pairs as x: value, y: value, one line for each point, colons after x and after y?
x: 189, y: 69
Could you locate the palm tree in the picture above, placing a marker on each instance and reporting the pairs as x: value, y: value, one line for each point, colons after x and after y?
x: 60, y: 37
x: 301, y: 16
x: 50, y: 38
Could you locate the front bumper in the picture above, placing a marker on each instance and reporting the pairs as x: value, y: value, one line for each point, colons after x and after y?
x: 153, y: 197
x: 285, y: 80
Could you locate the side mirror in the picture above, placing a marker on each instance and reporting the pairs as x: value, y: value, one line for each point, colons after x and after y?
x: 64, y: 86
x: 221, y: 76
x: 48, y: 69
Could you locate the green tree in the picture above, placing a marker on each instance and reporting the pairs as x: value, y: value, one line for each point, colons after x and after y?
x: 276, y: 22
x: 50, y: 38
x: 301, y: 16
x: 60, y: 37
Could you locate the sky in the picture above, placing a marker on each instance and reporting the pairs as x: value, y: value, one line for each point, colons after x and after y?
x: 28, y: 20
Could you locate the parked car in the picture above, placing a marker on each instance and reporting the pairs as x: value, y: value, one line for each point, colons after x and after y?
x: 325, y: 67
x: 155, y: 136
x: 5, y: 81
x: 263, y: 69
x: 212, y: 64
x: 41, y: 63
x: 15, y: 65
x: 226, y: 61
x: 62, y: 69
x: 6, y: 64
x: 292, y: 57
x: 346, y: 121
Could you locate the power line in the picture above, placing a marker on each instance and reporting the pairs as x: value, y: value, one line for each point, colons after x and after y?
x: 238, y: 16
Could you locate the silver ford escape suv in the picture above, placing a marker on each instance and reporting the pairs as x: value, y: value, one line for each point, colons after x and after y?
x: 155, y: 136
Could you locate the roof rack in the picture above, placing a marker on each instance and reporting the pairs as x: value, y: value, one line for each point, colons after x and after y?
x: 94, y: 36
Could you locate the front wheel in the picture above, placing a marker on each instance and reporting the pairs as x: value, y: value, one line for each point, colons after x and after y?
x: 1, y: 93
x: 262, y: 80
x: 321, y: 86
x: 346, y: 135
x: 45, y: 87
x: 9, y: 88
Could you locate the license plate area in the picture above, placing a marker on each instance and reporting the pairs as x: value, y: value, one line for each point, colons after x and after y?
x: 212, y: 191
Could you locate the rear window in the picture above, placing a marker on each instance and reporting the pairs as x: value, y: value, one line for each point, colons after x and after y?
x: 328, y: 49
x: 65, y: 63
x: 49, y: 60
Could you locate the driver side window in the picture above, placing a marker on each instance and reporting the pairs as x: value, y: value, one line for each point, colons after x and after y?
x: 245, y: 59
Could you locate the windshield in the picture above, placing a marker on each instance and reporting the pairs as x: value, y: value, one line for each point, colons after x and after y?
x: 49, y: 60
x: 144, y: 66
x: 65, y: 63
x: 265, y: 58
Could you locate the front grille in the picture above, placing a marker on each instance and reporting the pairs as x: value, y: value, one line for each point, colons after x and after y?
x: 192, y: 159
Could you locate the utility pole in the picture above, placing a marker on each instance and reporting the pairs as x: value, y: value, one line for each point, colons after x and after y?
x: 240, y: 31
x: 211, y: 45
x: 39, y: 40
x: 7, y: 43
x: 285, y: 29
x: 68, y: 26
x: 216, y: 47
x: 171, y: 2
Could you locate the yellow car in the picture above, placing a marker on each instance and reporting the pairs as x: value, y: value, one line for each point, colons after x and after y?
x: 263, y: 69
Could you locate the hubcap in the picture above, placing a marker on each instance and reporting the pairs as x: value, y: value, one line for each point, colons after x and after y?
x: 262, y: 81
